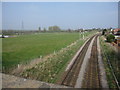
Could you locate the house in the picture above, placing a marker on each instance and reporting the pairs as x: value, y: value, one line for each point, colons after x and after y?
x: 116, y: 31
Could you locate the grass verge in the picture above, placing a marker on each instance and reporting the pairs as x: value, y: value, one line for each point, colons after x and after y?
x: 109, y: 53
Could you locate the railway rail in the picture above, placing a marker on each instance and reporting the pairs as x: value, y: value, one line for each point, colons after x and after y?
x: 92, y: 76
x: 70, y: 76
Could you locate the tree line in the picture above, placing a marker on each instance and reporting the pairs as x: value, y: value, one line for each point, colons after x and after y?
x: 51, y: 28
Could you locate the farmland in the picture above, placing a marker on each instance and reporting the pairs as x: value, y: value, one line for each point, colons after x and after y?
x: 27, y: 47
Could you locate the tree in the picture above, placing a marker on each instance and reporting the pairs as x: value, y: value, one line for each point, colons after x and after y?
x: 44, y: 29
x: 103, y: 32
x: 39, y: 29
x: 54, y: 28
x: 69, y: 30
x: 110, y: 38
x: 50, y: 28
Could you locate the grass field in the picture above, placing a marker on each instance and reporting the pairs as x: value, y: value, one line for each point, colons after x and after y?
x: 28, y: 47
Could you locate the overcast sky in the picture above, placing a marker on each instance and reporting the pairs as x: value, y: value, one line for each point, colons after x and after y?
x: 72, y: 15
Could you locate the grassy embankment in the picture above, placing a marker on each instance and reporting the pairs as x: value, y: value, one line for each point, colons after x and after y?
x: 109, y: 53
x: 51, y: 70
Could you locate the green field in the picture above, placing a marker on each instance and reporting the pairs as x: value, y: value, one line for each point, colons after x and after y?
x: 28, y: 47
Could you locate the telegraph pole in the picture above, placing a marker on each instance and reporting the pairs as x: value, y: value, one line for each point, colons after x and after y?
x: 79, y: 33
x: 22, y: 27
x: 83, y: 33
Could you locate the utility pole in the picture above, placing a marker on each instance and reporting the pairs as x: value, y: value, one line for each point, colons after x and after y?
x: 22, y: 27
x: 80, y: 33
x: 39, y: 29
x: 83, y: 33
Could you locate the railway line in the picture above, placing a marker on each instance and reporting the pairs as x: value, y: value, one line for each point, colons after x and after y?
x: 69, y: 78
x: 92, y: 76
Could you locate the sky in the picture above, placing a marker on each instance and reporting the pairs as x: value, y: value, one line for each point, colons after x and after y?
x: 0, y: 16
x: 119, y: 14
x: 66, y: 15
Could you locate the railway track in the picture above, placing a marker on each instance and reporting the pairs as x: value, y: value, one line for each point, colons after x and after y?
x: 70, y: 76
x: 92, y: 76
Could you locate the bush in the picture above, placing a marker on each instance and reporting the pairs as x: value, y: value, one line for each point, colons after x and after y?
x: 104, y: 31
x: 110, y: 38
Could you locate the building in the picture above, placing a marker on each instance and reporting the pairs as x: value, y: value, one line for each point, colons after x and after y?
x: 116, y: 31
